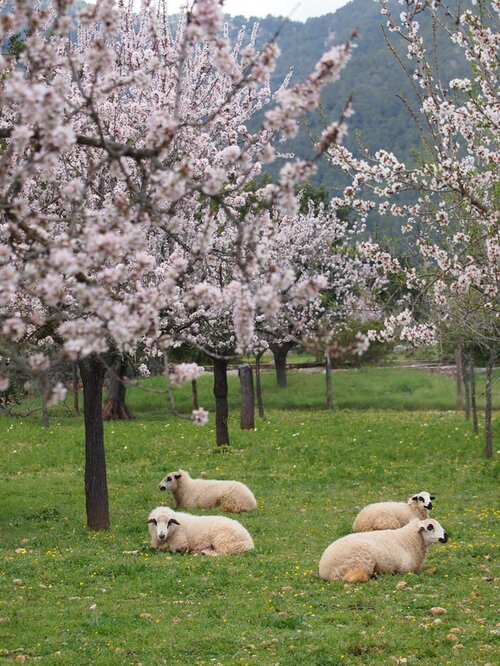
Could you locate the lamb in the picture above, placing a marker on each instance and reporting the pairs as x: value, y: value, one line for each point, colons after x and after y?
x: 392, y: 515
x: 188, y: 493
x: 356, y: 558
x: 205, y: 535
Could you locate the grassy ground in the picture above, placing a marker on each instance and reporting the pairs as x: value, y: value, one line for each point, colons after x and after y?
x: 73, y: 597
x: 367, y: 388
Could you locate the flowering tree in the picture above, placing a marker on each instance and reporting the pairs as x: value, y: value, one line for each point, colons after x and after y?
x: 448, y: 202
x: 318, y: 248
x: 124, y: 149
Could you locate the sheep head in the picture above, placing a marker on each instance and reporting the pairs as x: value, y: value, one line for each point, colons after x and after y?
x: 160, y: 525
x: 422, y: 499
x: 171, y: 481
x: 431, y: 532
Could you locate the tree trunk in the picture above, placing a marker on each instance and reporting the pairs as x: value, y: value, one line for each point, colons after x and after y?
x: 221, y: 406
x: 329, y: 391
x: 92, y: 371
x: 258, y: 387
x: 488, y: 407
x: 458, y: 374
x: 465, y: 380
x: 76, y: 407
x: 115, y: 408
x: 280, y: 352
x: 194, y: 392
x: 473, y: 403
x: 247, y: 415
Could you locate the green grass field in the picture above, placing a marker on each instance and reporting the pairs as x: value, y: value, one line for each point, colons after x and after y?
x: 367, y: 388
x: 73, y: 597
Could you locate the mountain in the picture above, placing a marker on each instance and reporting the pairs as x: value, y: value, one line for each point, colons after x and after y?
x: 373, y: 77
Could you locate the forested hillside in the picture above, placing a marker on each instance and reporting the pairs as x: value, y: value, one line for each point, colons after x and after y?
x: 373, y: 77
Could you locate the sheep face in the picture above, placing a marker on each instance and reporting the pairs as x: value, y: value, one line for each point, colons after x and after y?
x: 170, y: 481
x: 162, y: 525
x: 432, y: 532
x: 423, y: 499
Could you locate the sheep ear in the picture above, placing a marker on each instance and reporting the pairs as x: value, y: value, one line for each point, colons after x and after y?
x: 415, y: 498
x: 422, y: 529
x: 172, y: 520
x: 177, y: 476
x: 432, y: 498
x: 152, y: 520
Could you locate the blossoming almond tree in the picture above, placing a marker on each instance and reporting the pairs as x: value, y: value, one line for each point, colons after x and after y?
x: 332, y: 282
x: 118, y: 134
x: 305, y: 278
x: 449, y: 210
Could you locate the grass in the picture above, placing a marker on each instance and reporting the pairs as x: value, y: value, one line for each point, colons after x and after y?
x: 366, y: 388
x: 292, y: 357
x: 69, y: 596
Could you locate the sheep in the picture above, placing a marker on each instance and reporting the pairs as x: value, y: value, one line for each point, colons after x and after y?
x: 392, y: 515
x: 188, y: 493
x: 205, y: 535
x: 356, y: 558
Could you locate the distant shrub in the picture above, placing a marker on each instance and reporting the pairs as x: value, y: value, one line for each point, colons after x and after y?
x: 376, y: 352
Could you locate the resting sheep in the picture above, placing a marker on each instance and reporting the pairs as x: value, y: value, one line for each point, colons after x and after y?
x: 358, y: 557
x: 204, y: 535
x: 392, y: 515
x: 188, y: 493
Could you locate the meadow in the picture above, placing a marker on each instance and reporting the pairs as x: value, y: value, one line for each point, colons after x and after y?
x: 70, y: 596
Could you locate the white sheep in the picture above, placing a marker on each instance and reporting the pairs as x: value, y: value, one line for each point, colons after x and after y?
x: 188, y: 493
x: 205, y: 535
x: 356, y: 558
x: 392, y: 515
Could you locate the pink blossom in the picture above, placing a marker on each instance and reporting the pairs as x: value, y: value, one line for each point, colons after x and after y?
x: 57, y: 394
x: 182, y: 373
x: 199, y: 416
x: 39, y: 362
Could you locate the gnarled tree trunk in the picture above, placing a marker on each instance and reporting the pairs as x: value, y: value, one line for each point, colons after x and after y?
x: 221, y: 406
x: 115, y: 408
x: 194, y: 394
x: 280, y: 352
x: 92, y: 371
x: 258, y: 387
x: 247, y: 415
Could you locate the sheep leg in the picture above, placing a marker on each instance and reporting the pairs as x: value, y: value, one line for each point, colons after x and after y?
x: 230, y: 508
x: 229, y: 504
x: 225, y: 542
x: 356, y: 575
x: 209, y: 552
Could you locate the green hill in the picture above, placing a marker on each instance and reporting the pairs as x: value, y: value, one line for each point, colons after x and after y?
x: 373, y: 77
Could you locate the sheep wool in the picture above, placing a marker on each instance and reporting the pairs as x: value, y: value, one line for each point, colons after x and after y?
x: 204, y: 535
x: 188, y: 493
x: 356, y: 558
x: 392, y: 515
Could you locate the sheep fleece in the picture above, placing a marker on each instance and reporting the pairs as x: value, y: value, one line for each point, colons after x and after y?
x: 206, y: 535
x: 387, y: 516
x: 358, y: 557
x: 230, y: 496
